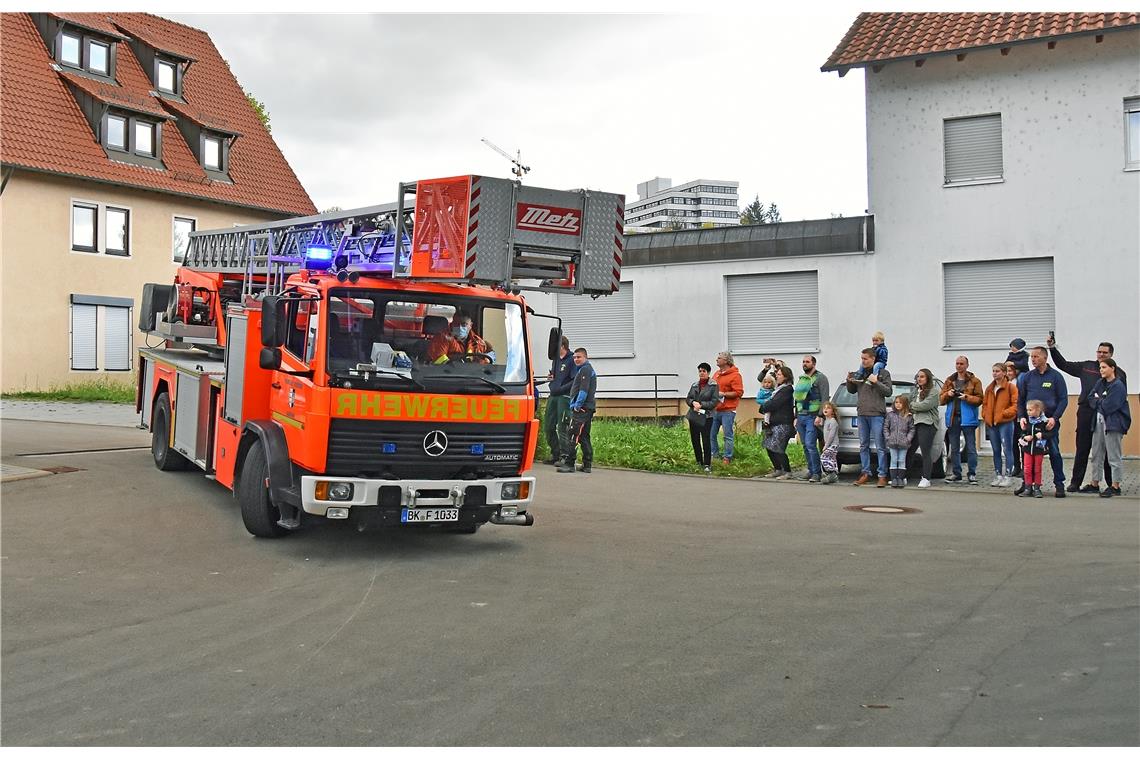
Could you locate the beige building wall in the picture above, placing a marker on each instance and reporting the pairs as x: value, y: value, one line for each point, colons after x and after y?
x: 39, y: 271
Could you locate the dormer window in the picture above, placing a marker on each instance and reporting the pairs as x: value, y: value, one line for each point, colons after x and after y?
x: 144, y: 138
x: 69, y: 47
x: 132, y: 137
x: 87, y: 52
x: 167, y: 76
x: 212, y: 153
x: 98, y: 58
x: 116, y: 132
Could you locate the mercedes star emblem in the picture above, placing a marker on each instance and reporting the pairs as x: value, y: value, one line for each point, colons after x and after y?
x: 435, y: 443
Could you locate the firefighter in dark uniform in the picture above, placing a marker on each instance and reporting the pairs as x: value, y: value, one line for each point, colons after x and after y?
x: 582, y: 406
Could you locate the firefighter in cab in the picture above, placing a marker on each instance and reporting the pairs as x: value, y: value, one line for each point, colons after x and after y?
x: 476, y: 349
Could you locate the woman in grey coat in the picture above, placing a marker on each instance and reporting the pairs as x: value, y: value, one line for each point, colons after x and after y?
x: 924, y: 408
x: 702, y: 400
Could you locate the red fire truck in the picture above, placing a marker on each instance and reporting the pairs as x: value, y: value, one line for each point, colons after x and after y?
x: 371, y: 365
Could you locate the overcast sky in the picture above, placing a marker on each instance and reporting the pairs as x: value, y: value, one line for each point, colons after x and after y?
x: 361, y: 102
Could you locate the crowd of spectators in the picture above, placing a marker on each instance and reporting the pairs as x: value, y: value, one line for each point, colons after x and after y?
x: 1021, y: 408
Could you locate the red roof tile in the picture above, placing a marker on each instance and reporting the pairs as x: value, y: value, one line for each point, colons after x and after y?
x: 882, y: 37
x: 98, y: 22
x: 115, y: 95
x: 198, y: 116
x: 43, y: 128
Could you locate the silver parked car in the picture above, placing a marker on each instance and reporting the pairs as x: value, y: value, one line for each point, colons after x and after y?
x: 849, y: 433
x: 846, y: 401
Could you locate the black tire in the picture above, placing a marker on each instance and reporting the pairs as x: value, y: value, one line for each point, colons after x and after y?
x: 257, y: 510
x: 165, y: 458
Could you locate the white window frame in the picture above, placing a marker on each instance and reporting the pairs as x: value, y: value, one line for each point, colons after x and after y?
x: 71, y: 224
x: 174, y: 218
x: 1131, y: 106
x: 983, y: 180
x: 101, y: 228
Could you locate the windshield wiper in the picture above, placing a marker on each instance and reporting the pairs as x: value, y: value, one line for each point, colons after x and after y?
x: 464, y: 378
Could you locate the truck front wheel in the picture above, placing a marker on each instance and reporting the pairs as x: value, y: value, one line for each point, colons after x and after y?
x: 165, y: 458
x: 257, y: 510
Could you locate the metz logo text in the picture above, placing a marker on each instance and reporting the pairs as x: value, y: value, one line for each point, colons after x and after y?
x: 562, y: 221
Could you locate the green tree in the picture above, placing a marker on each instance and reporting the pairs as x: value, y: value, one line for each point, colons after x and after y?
x: 258, y: 106
x: 757, y: 213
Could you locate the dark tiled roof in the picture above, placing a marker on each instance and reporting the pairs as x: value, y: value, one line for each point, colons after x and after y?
x: 44, y: 129
x: 883, y: 37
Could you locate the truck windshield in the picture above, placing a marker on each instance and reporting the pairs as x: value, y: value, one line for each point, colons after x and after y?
x: 443, y: 344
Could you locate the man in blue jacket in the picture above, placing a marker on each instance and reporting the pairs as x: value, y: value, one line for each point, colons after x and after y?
x: 562, y: 371
x: 1088, y: 372
x: 1047, y: 384
x: 583, y: 390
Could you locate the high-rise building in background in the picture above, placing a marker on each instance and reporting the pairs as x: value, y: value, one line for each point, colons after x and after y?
x: 699, y: 203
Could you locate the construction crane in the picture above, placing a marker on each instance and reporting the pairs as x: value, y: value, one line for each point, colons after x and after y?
x: 519, y: 169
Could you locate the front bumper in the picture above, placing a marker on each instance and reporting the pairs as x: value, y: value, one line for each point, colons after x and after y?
x: 368, y: 493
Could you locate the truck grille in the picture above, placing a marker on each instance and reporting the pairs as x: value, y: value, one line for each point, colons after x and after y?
x: 356, y: 447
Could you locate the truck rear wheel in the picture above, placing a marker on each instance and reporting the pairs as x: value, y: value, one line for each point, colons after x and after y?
x: 165, y: 458
x: 257, y: 510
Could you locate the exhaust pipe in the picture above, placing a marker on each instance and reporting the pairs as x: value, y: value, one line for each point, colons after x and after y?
x: 523, y: 519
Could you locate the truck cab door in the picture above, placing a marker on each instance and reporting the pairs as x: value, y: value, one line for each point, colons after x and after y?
x: 291, y: 395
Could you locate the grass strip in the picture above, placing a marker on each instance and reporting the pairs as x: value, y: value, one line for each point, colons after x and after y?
x: 663, y: 447
x: 94, y: 390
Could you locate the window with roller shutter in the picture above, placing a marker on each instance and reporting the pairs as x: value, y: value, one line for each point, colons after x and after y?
x: 749, y: 300
x: 972, y: 148
x: 972, y: 288
x: 101, y: 334
x: 603, y: 326
x: 84, y: 327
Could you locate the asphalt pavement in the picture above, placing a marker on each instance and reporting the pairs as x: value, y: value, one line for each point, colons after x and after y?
x: 639, y: 610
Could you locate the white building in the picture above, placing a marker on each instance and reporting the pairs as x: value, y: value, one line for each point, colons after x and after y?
x: 1004, y: 186
x: 1004, y: 177
x: 700, y: 203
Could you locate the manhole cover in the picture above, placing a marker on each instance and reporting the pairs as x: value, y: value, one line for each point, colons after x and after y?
x: 882, y: 509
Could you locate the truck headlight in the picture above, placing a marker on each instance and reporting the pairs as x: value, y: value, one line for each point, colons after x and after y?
x: 332, y: 490
x: 516, y: 490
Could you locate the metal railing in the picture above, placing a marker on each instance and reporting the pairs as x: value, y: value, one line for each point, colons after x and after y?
x: 657, y: 390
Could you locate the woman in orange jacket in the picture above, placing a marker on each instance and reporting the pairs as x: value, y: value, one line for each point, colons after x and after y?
x: 999, y: 410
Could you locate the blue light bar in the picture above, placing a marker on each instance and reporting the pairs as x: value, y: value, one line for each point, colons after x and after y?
x: 388, y: 448
x: 318, y: 257
x: 476, y: 448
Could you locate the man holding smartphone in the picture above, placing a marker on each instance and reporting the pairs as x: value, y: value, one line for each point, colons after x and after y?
x: 1088, y: 372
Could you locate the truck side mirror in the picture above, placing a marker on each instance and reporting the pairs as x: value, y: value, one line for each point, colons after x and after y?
x: 269, y: 358
x: 273, y: 322
x: 554, y: 343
